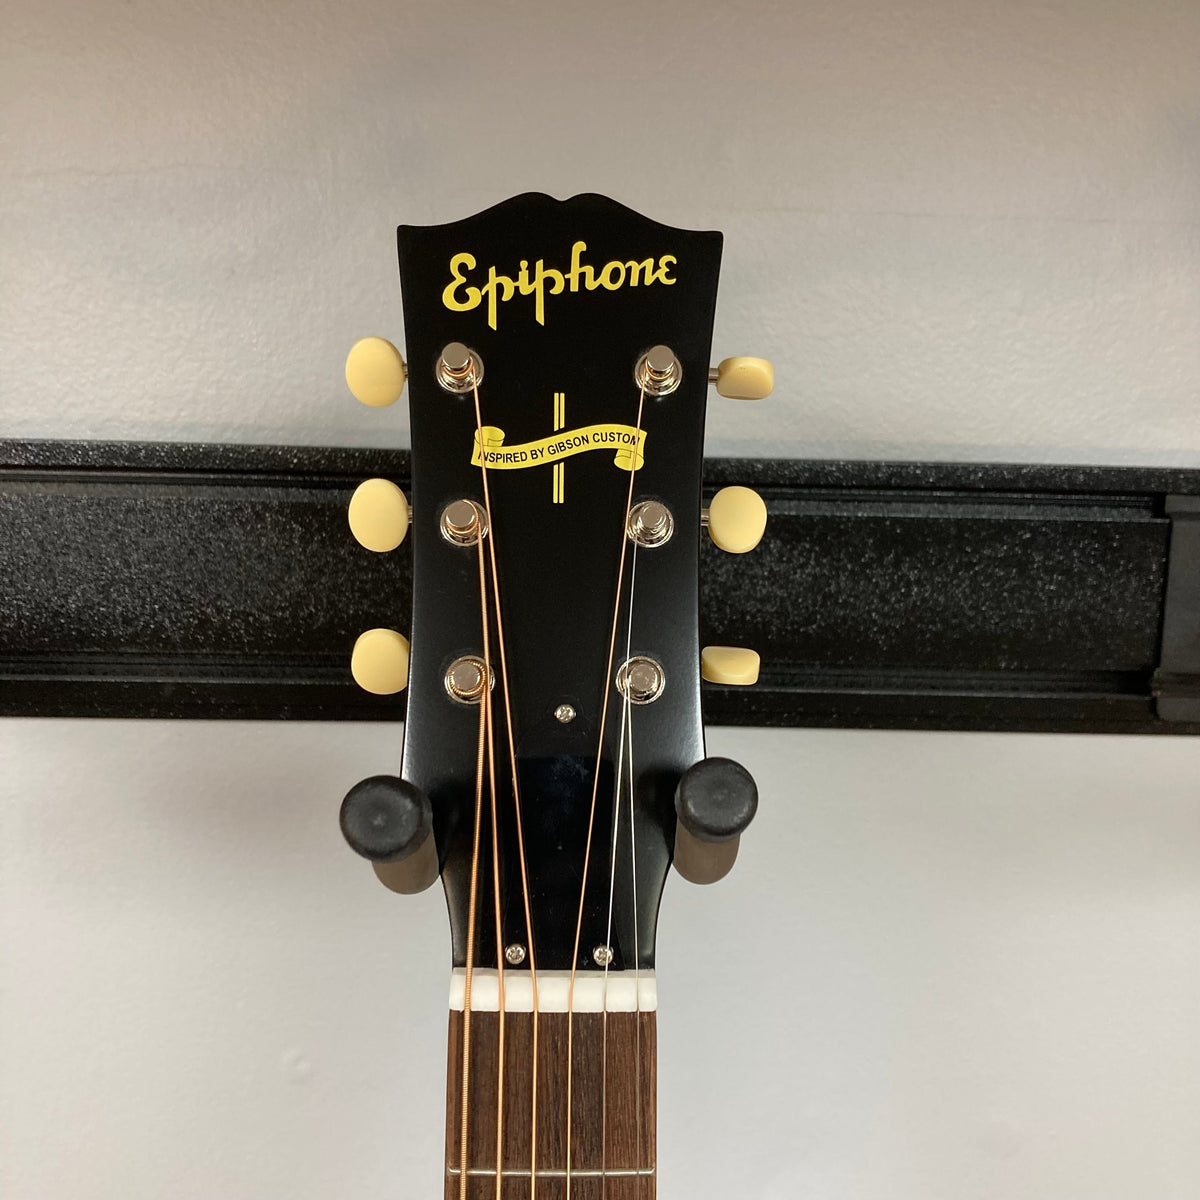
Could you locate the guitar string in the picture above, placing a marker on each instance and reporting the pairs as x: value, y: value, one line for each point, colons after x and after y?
x: 624, y: 743
x: 587, y: 852
x: 485, y: 702
x: 637, y: 984
x: 612, y: 879
x: 512, y: 757
x: 637, y: 979
x: 465, y: 1087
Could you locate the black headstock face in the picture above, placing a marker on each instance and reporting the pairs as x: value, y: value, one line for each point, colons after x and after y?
x: 559, y: 300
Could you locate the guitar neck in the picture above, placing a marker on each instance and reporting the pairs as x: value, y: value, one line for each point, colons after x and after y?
x: 609, y: 1088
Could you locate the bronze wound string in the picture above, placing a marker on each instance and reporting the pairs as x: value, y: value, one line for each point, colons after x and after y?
x: 465, y: 1081
x: 485, y: 703
x: 516, y: 789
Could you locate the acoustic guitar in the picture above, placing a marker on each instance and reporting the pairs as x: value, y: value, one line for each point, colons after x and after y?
x: 553, y: 763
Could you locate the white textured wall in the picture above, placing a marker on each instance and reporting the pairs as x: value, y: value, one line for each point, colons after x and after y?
x: 949, y: 967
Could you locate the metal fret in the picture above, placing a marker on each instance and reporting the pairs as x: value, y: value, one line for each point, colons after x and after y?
x: 550, y: 1173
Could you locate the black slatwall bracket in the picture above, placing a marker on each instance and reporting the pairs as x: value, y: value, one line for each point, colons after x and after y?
x: 163, y: 580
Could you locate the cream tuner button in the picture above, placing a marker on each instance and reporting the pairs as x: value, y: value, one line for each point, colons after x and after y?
x: 744, y: 378
x: 729, y: 664
x: 375, y: 372
x: 737, y: 519
x: 379, y: 662
x: 378, y: 515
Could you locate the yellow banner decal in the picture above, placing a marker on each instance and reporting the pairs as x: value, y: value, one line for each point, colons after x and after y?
x: 625, y: 440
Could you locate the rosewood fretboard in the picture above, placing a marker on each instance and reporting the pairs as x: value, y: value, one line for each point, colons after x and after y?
x: 612, y: 1112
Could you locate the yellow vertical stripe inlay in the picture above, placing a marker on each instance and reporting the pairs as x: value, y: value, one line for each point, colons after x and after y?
x: 559, y: 469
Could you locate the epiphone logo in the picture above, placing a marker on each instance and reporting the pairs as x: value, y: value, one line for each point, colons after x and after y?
x: 460, y: 295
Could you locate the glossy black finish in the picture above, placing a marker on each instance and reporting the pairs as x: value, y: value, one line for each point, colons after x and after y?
x: 558, y: 565
x: 716, y: 799
x: 188, y: 581
x: 385, y: 819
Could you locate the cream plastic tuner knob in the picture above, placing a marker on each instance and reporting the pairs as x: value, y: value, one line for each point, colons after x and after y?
x: 379, y: 661
x: 375, y: 372
x: 729, y: 664
x: 378, y: 515
x: 737, y: 519
x: 744, y: 378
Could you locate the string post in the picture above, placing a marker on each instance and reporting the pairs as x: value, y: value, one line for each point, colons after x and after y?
x: 650, y: 524
x: 641, y: 680
x: 465, y: 677
x: 658, y: 372
x: 459, y: 369
x: 463, y: 522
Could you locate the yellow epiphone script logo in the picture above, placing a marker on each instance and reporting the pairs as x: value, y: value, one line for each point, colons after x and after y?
x: 461, y: 295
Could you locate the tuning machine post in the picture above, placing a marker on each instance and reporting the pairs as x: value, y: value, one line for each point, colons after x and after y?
x: 459, y: 369
x: 658, y: 372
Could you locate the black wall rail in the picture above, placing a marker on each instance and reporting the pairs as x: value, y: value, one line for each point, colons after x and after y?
x: 162, y: 580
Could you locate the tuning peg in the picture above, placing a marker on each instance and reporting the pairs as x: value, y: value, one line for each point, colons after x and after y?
x: 715, y: 801
x: 729, y: 664
x: 736, y: 519
x: 743, y: 378
x: 375, y: 372
x: 388, y: 820
x: 379, y: 661
x: 378, y: 515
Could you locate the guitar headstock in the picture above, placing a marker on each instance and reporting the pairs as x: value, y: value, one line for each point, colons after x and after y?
x: 558, y: 374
